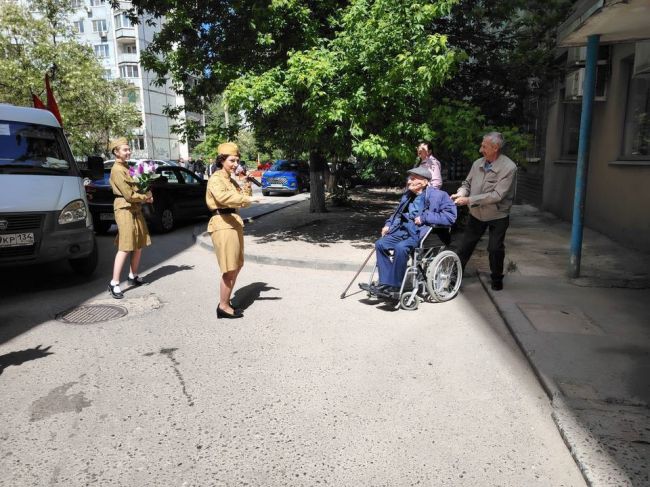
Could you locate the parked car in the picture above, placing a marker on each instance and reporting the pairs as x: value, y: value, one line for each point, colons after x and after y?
x: 286, y: 176
x: 177, y: 195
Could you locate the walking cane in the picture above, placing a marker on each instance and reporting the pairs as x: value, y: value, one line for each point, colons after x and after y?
x: 358, y: 272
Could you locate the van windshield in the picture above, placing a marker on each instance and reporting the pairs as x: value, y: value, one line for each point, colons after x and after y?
x: 27, y: 148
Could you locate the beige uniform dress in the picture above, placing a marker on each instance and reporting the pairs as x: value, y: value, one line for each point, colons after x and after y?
x: 227, y: 230
x: 132, y: 231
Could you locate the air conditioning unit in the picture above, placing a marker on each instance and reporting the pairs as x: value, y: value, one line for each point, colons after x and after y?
x: 575, y: 80
x: 641, y: 59
x: 103, y: 34
x: 576, y: 55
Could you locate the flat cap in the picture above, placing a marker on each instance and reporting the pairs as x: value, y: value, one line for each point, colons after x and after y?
x: 423, y: 172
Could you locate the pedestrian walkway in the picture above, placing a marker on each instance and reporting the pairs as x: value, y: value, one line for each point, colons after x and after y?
x: 587, y: 339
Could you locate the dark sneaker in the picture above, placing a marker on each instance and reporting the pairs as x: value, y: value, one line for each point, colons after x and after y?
x: 115, y: 291
x: 496, y: 285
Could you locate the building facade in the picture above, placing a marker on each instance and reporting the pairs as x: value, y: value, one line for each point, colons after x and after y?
x: 618, y: 164
x: 118, y: 44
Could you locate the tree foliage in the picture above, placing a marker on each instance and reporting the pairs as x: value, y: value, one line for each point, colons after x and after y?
x: 32, y: 45
x: 363, y: 77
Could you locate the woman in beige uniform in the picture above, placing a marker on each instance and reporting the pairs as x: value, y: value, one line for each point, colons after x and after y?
x: 224, y: 196
x: 132, y: 232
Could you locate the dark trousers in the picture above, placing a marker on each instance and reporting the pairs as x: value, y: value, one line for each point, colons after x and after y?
x: 391, y: 273
x: 496, y: 249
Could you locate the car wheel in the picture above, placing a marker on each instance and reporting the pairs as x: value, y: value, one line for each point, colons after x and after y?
x: 85, y: 266
x: 165, y: 220
x: 102, y: 227
x: 265, y: 192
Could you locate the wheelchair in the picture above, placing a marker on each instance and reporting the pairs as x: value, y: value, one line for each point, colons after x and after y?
x: 434, y: 272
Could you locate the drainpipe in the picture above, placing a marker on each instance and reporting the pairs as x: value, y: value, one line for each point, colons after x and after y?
x: 583, y: 156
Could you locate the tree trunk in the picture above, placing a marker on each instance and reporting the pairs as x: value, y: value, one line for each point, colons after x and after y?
x: 317, y: 166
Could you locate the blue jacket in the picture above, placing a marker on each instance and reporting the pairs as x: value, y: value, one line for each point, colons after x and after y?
x: 397, y: 225
x: 439, y: 209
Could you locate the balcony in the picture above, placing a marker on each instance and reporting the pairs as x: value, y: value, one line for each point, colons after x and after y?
x: 124, y: 33
x: 130, y: 58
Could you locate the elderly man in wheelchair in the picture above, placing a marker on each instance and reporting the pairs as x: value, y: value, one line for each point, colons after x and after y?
x: 412, y: 260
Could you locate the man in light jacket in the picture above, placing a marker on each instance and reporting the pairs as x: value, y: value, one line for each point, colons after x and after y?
x: 488, y: 190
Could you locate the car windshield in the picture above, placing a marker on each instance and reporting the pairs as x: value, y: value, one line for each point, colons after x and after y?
x: 33, y: 149
x: 285, y: 166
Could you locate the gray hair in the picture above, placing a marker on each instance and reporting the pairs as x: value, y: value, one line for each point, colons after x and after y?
x: 496, y: 138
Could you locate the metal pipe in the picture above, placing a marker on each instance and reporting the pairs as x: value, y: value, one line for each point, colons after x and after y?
x: 588, y: 91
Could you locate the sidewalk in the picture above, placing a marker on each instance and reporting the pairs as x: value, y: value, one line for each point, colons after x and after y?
x: 588, y: 339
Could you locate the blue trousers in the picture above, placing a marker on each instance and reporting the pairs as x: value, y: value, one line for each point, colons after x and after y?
x: 391, y: 273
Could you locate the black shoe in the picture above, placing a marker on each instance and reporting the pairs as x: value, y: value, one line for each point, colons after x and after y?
x: 136, y: 281
x: 116, y: 294
x: 224, y: 314
x: 365, y: 286
x: 496, y: 285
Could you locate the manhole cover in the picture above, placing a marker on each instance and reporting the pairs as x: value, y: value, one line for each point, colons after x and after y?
x: 92, y: 313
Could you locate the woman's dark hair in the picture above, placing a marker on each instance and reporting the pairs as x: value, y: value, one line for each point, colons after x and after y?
x: 428, y: 145
x: 220, y: 159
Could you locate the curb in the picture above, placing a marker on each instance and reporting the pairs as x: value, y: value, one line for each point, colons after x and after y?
x: 586, y: 451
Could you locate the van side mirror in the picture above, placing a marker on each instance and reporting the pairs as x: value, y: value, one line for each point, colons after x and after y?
x: 94, y: 168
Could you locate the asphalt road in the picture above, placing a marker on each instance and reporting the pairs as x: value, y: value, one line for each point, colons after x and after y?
x: 307, y: 389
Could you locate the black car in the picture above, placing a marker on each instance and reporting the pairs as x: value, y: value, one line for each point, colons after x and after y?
x: 177, y: 195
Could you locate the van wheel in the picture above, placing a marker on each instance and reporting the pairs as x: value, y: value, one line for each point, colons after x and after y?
x: 85, y: 266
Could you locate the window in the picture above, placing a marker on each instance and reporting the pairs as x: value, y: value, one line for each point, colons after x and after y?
x: 130, y: 49
x: 107, y: 74
x: 101, y: 50
x: 122, y: 21
x: 137, y: 142
x: 129, y: 71
x: 170, y: 175
x: 570, y: 130
x: 99, y: 25
x: 78, y: 26
x: 96, y: 3
x: 77, y: 4
x: 189, y: 178
x: 132, y: 96
x: 636, y: 139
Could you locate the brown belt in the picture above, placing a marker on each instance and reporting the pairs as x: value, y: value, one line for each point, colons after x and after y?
x: 223, y: 211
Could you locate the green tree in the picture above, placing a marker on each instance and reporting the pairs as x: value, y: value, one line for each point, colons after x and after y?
x: 31, y: 45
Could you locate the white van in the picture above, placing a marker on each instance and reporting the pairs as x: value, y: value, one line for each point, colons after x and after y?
x: 44, y: 214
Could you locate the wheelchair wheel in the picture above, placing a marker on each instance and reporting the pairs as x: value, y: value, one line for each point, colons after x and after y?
x: 444, y: 276
x: 409, y: 300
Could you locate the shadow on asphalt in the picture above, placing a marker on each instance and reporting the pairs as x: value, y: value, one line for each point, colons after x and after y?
x: 362, y: 220
x: 245, y: 296
x: 31, y: 295
x: 22, y: 356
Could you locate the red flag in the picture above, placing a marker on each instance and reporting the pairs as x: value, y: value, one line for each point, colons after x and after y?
x: 37, y: 102
x: 51, y: 102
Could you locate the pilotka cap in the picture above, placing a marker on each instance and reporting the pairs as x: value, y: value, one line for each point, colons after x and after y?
x: 228, y: 149
x: 423, y: 172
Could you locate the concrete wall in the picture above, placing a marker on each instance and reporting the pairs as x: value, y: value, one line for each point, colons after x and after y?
x: 618, y: 195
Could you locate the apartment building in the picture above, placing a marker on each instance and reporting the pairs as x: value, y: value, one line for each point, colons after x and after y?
x: 118, y: 44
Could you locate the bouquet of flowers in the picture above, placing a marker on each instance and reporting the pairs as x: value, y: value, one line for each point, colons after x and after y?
x: 143, y: 173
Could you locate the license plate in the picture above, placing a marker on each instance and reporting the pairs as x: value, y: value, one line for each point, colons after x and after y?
x: 277, y: 186
x: 107, y: 216
x: 17, y: 240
